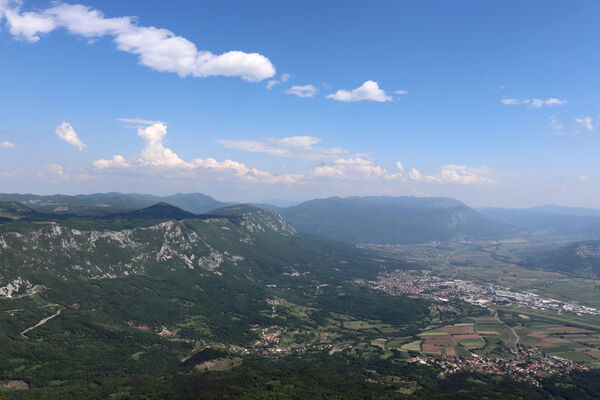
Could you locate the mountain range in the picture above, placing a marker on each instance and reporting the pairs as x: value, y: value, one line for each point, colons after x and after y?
x: 380, y: 220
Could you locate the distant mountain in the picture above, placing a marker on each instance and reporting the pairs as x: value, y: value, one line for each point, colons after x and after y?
x: 160, y: 210
x: 570, y: 221
x: 387, y: 220
x: 196, y: 203
x: 99, y: 204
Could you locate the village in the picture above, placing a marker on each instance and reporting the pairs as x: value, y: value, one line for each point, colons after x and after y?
x: 529, y: 369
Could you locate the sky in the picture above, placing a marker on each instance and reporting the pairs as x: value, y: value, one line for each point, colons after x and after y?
x: 494, y: 103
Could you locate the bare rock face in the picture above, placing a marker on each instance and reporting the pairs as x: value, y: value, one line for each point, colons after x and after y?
x: 267, y: 220
x: 15, y: 385
x: 69, y: 253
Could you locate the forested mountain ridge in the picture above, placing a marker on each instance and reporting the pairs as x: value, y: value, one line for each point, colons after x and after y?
x: 387, y: 220
x: 110, y: 203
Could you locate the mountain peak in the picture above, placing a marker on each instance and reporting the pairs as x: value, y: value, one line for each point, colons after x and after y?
x: 159, y: 210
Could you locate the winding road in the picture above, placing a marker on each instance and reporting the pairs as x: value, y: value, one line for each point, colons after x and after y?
x: 517, y: 338
x: 42, y: 322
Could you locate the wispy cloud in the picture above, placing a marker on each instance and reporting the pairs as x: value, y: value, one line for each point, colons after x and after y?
x: 7, y: 144
x: 299, y: 147
x: 138, y: 121
x: 156, y: 48
x: 536, y: 103
x: 272, y: 83
x: 302, y: 91
x: 585, y: 122
x: 67, y: 134
x: 369, y: 91
x: 461, y: 174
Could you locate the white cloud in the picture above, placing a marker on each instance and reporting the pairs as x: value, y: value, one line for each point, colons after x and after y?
x: 117, y: 161
x: 7, y: 144
x: 586, y: 122
x: 158, y: 49
x: 401, y: 92
x: 548, y: 102
x: 414, y: 174
x: 299, y: 147
x: 157, y: 159
x: 254, y: 146
x: 556, y: 125
x: 355, y: 168
x: 285, y: 77
x: 137, y: 121
x: 67, y: 134
x: 584, y: 178
x: 53, y: 172
x: 301, y: 142
x: 368, y: 91
x: 302, y: 91
x: 400, y: 166
x: 272, y: 83
x: 461, y: 174
x: 8, y: 174
x: 513, y: 101
x: 537, y: 103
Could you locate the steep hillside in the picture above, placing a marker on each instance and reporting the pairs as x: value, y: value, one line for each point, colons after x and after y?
x: 123, y: 304
x: 183, y: 241
x: 11, y: 210
x: 387, y: 220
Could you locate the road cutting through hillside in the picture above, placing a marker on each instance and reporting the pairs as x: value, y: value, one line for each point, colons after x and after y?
x: 42, y: 322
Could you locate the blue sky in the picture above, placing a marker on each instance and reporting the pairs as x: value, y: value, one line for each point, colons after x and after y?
x: 493, y: 103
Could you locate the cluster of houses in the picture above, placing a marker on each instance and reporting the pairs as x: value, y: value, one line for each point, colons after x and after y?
x: 529, y: 369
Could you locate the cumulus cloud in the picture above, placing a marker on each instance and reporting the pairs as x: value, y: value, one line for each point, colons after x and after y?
x: 7, y: 144
x: 302, y: 91
x: 67, y: 134
x: 156, y: 158
x: 156, y: 48
x: 368, y: 91
x: 537, y: 103
x: 585, y: 122
x: 461, y: 174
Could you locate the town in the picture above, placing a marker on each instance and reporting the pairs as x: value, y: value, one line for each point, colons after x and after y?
x: 425, y: 284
